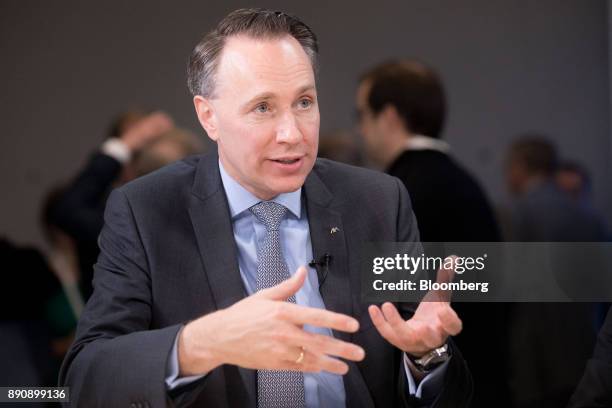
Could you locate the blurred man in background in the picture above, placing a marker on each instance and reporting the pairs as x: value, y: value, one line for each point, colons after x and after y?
x: 139, y: 144
x: 401, y: 108
x: 342, y: 146
x: 574, y: 179
x: 37, y: 327
x: 551, y: 341
x: 27, y: 289
x: 542, y: 211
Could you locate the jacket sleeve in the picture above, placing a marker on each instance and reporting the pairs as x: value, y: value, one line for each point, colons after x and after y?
x: 116, y: 359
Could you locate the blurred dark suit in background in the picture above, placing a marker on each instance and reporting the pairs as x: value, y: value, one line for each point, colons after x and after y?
x: 595, y: 388
x: 551, y: 341
x: 28, y: 286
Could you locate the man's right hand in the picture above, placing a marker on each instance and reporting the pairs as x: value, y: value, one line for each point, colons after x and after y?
x: 264, y: 331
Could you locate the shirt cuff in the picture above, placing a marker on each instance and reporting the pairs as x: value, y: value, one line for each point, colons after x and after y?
x: 117, y: 149
x: 172, y: 369
x: 431, y: 385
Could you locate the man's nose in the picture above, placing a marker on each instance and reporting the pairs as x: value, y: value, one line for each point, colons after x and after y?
x: 287, y: 130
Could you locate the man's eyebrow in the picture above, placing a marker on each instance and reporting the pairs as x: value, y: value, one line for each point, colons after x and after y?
x: 305, y: 88
x: 264, y: 96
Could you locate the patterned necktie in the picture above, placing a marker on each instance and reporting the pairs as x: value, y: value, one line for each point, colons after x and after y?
x: 275, y: 388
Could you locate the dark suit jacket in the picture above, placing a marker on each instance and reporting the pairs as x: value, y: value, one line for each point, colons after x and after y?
x: 168, y: 256
x: 595, y: 388
x: 450, y: 206
x: 544, y: 332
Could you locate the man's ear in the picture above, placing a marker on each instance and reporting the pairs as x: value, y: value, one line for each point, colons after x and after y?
x: 206, y: 115
x: 391, y: 117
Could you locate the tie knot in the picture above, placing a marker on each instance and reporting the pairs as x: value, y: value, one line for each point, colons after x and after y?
x: 269, y: 213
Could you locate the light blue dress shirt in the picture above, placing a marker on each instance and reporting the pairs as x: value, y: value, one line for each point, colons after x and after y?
x: 321, y: 389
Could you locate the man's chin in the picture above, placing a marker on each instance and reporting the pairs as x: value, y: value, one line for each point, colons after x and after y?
x: 287, y: 186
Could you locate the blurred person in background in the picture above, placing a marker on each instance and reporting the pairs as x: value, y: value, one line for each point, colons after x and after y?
x: 139, y: 143
x: 40, y: 303
x: 64, y: 308
x: 170, y: 146
x: 542, y: 211
x: 545, y: 373
x: 28, y: 287
x: 401, y: 107
x: 574, y: 179
x: 342, y: 146
x: 37, y: 319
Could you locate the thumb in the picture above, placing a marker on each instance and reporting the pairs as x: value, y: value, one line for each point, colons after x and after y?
x: 286, y: 288
x: 445, y: 275
x: 447, y: 272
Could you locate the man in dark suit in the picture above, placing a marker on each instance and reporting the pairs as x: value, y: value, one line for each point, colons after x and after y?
x: 595, y: 388
x: 402, y: 107
x: 200, y: 291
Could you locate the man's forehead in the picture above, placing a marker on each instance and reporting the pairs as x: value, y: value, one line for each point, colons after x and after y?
x: 261, y: 62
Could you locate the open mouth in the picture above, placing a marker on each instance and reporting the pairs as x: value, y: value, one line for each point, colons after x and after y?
x: 287, y: 161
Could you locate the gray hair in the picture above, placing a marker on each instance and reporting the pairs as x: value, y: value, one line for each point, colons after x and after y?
x: 254, y: 23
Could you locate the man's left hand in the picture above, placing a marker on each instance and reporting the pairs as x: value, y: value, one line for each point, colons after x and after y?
x: 433, y: 321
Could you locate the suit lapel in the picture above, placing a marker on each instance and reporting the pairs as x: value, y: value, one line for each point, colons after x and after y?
x: 327, y: 236
x: 212, y: 225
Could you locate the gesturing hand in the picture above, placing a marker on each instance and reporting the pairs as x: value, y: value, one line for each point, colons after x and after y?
x: 433, y: 321
x: 263, y: 331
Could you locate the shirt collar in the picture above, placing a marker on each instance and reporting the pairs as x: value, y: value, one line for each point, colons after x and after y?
x: 240, y: 199
x: 420, y: 142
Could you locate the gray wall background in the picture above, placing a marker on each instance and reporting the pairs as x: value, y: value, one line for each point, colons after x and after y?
x: 509, y: 66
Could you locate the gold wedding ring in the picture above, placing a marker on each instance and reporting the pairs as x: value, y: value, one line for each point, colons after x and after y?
x: 301, y: 357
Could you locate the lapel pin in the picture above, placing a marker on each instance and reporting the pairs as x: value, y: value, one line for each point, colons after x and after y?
x: 334, y: 230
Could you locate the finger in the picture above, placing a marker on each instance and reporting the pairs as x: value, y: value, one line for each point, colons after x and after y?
x: 324, y: 345
x: 450, y: 321
x: 445, y: 275
x: 314, y: 363
x: 286, y: 288
x: 392, y: 316
x: 447, y: 272
x: 301, y: 315
x: 429, y: 334
x: 332, y: 365
x: 383, y: 327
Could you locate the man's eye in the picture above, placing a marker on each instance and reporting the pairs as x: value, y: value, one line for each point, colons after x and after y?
x: 262, y: 108
x: 304, y: 103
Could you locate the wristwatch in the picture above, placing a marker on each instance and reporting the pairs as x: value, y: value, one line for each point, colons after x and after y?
x: 432, y: 359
